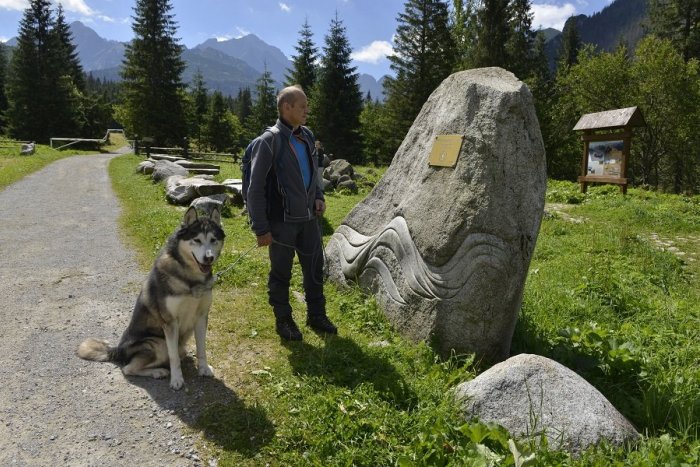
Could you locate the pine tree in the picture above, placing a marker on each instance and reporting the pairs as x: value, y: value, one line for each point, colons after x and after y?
x: 494, y: 31
x: 243, y: 104
x: 521, y: 40
x: 201, y: 104
x: 425, y: 55
x: 221, y: 131
x: 303, y: 70
x: 69, y: 58
x: 679, y: 21
x: 152, y: 73
x: 337, y: 102
x: 3, y: 78
x: 464, y: 32
x: 264, y: 111
x: 42, y: 99
x: 570, y: 45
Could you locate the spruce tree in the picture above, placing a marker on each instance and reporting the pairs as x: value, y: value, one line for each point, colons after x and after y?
x: 220, y: 127
x: 494, y: 31
x: 464, y: 32
x: 520, y: 43
x: 264, y: 111
x: 570, y: 45
x: 69, y: 57
x: 42, y: 100
x: 201, y: 104
x: 337, y: 100
x: 425, y: 55
x: 243, y: 104
x: 679, y: 21
x: 3, y: 78
x: 152, y: 73
x: 303, y: 71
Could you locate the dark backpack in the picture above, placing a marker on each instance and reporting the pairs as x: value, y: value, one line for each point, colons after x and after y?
x: 247, y: 160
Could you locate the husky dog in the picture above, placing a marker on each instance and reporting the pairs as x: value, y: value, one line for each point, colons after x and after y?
x: 174, y: 302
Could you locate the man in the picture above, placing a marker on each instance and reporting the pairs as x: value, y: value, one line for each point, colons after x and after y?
x: 284, y: 200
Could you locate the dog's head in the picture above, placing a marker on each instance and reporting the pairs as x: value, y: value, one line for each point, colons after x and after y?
x: 200, y: 239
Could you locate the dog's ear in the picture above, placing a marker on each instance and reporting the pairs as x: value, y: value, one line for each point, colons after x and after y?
x: 190, y: 217
x: 215, y: 216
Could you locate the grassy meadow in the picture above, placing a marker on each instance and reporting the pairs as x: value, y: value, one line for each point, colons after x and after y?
x: 612, y: 293
x: 14, y: 167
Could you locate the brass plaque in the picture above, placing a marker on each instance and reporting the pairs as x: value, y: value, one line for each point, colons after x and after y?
x: 445, y: 150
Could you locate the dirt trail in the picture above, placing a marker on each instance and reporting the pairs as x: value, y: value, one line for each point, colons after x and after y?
x: 65, y: 275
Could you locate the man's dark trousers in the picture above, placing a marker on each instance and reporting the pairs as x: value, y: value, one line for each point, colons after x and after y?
x: 303, y: 238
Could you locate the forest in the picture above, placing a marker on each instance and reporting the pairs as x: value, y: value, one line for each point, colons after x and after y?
x: 44, y: 91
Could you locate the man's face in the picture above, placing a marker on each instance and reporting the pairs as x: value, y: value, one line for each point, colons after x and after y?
x: 297, y: 111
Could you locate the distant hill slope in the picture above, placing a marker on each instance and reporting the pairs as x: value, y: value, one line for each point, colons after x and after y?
x: 227, y: 66
x: 254, y: 51
x: 95, y: 52
x: 623, y: 21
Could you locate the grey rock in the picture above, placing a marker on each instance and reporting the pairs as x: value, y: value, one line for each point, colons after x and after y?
x: 327, y: 173
x: 182, y: 191
x: 532, y: 396
x: 326, y: 161
x: 446, y: 250
x: 344, y: 178
x: 27, y: 149
x: 165, y: 169
x: 342, y: 167
x: 206, y: 204
x: 178, y: 194
x: 146, y: 167
x: 348, y: 185
x: 326, y: 185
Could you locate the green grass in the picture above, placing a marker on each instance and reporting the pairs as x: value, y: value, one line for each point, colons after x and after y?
x: 14, y: 167
x: 602, y: 297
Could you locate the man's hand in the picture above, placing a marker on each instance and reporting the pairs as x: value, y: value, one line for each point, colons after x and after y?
x: 265, y: 239
x: 320, y: 207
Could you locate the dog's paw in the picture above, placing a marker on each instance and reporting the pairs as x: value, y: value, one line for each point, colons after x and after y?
x: 176, y: 382
x: 206, y: 370
x: 160, y: 373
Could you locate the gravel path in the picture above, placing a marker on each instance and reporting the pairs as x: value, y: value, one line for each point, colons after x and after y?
x: 66, y: 275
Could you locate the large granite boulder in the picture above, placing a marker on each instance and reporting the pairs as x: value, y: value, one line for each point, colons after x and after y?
x: 446, y: 249
x: 533, y: 396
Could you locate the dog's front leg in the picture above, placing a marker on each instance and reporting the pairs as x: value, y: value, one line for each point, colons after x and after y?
x: 172, y: 334
x: 200, y: 334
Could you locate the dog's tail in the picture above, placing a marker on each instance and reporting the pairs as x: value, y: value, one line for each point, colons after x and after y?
x: 97, y: 351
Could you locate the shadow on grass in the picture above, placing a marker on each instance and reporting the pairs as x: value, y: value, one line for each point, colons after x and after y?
x: 208, y: 405
x: 342, y: 362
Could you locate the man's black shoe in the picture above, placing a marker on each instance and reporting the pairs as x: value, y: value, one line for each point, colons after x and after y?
x: 321, y: 324
x: 287, y: 329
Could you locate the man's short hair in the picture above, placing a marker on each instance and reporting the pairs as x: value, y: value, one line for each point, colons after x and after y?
x: 289, y: 96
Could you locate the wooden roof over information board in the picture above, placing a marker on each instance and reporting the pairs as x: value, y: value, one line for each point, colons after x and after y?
x: 618, y: 118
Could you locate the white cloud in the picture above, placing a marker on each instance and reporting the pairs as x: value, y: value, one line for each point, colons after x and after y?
x: 224, y: 37
x: 241, y: 32
x: 373, y: 53
x: 284, y: 7
x: 4, y: 39
x: 18, y: 5
x: 73, y: 6
x: 547, y: 15
x: 77, y: 6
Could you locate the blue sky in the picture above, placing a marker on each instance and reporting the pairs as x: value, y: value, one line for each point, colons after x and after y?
x: 370, y: 24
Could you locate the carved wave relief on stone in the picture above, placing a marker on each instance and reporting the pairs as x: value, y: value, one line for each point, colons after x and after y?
x: 360, y: 253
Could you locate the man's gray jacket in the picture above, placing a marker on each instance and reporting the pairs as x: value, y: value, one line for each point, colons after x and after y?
x: 289, y: 201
